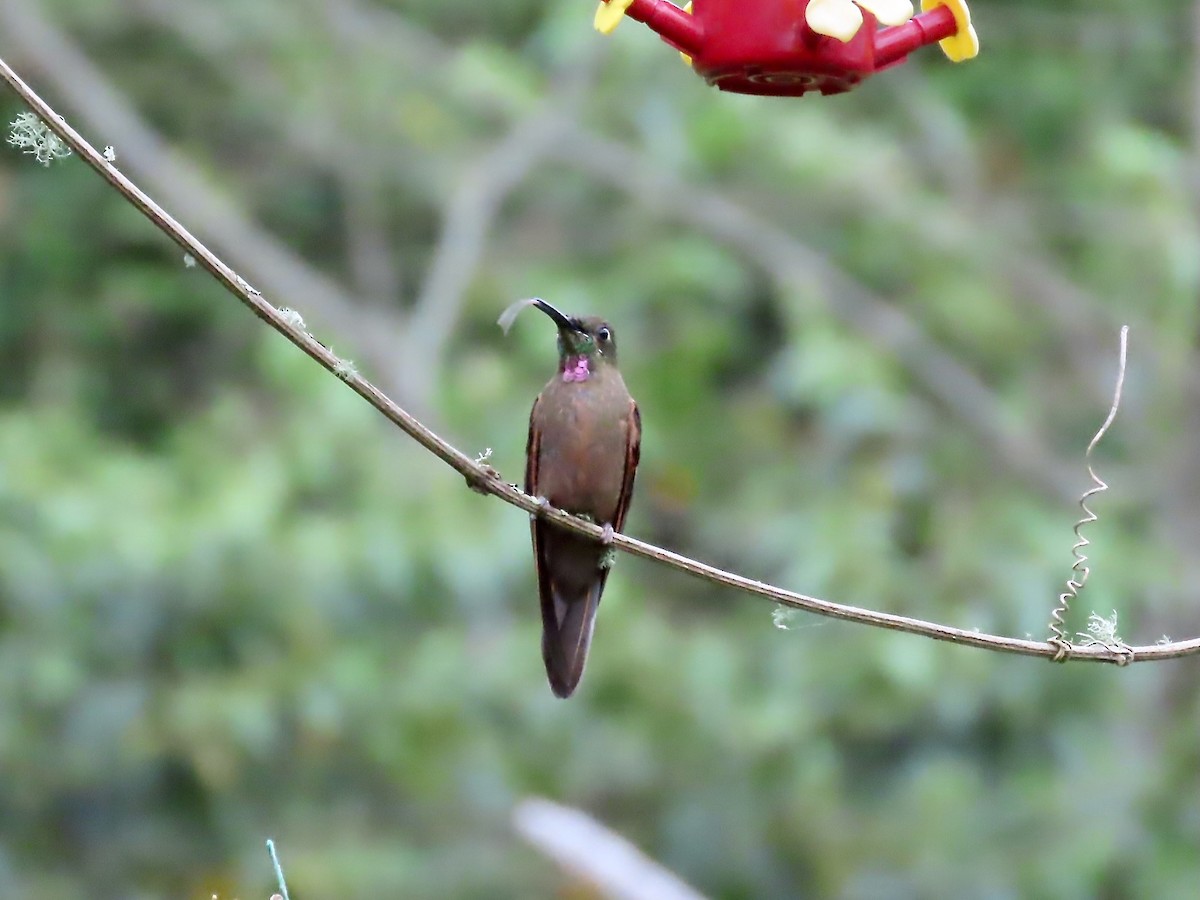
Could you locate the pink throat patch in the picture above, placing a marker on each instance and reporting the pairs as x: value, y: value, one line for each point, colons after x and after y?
x: 576, y: 369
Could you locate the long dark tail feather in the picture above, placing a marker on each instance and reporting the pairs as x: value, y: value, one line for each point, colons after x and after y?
x: 566, y: 636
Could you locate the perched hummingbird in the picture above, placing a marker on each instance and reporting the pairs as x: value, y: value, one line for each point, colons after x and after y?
x: 584, y: 438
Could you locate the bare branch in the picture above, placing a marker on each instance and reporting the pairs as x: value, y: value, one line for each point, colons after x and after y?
x: 485, y: 479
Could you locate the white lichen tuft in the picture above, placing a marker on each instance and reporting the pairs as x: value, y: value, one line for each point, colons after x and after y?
x: 344, y: 369
x: 1164, y: 640
x: 293, y: 318
x: 484, y: 456
x: 1101, y: 631
x: 780, y: 616
x: 110, y: 154
x: 189, y: 261
x: 31, y: 134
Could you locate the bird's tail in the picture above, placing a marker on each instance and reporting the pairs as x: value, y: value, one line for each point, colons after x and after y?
x: 566, y: 636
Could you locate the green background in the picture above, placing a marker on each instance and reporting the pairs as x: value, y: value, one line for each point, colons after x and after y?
x: 870, y: 336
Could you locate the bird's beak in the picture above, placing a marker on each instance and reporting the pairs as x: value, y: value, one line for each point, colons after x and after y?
x: 563, y: 321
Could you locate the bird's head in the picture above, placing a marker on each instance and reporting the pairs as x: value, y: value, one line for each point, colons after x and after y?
x: 585, y: 343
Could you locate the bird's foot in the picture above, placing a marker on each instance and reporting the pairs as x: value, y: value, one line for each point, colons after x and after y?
x: 542, y: 505
x: 609, y: 556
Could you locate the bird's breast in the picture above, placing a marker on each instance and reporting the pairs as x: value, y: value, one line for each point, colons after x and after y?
x: 584, y: 436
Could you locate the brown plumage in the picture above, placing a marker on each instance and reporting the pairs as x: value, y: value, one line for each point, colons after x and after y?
x: 584, y: 437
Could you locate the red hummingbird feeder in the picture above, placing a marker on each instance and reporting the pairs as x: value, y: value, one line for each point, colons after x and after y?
x: 787, y: 48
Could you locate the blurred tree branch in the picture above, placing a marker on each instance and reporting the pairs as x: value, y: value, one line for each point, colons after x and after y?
x: 1016, y: 252
x: 373, y: 266
x: 485, y: 480
x: 597, y: 854
x: 467, y: 220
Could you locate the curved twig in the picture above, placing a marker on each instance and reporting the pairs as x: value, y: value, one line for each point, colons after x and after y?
x: 484, y: 479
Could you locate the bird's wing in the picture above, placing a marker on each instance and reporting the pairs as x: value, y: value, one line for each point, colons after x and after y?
x: 533, y: 447
x: 633, y: 454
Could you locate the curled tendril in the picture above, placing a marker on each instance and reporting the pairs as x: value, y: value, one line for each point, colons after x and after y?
x: 1080, y: 570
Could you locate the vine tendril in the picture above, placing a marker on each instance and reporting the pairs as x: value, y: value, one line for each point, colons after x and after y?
x: 1080, y: 570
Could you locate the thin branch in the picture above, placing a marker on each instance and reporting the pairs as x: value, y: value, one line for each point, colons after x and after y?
x: 485, y: 480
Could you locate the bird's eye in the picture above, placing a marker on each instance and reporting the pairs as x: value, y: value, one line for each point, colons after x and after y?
x: 603, y: 334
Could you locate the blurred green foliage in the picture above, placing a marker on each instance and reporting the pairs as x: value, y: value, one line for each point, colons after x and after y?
x: 234, y: 604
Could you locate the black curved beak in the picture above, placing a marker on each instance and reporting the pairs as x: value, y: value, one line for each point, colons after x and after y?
x: 560, y: 319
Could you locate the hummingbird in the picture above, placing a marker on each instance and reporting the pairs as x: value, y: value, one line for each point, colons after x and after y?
x: 584, y: 438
